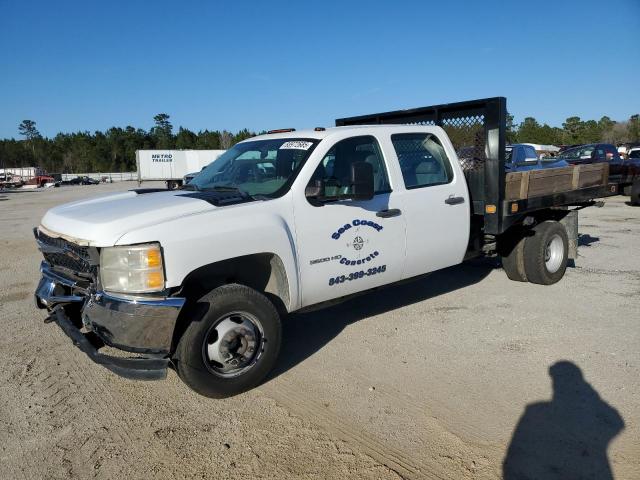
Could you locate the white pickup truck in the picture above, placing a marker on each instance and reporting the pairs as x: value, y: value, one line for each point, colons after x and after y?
x: 197, y: 279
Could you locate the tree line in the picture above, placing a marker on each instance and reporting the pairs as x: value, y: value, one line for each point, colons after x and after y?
x: 114, y: 150
x: 575, y: 131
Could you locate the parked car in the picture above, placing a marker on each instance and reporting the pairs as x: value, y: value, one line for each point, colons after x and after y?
x: 518, y: 157
x: 81, y: 180
x: 624, y: 172
x: 522, y: 157
x: 591, y: 153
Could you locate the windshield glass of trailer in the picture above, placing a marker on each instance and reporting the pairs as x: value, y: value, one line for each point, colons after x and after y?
x: 260, y: 167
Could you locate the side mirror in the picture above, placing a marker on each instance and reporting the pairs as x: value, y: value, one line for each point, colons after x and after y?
x: 362, y: 187
x: 314, y: 191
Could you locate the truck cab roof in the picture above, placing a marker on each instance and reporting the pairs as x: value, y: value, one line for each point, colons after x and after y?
x: 320, y: 134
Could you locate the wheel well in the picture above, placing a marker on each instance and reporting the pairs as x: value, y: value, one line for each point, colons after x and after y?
x: 263, y: 272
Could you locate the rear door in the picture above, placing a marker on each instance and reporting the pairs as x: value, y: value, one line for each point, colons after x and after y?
x: 435, y: 199
x: 616, y: 165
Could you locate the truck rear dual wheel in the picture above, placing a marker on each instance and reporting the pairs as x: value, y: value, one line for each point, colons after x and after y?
x: 235, y: 344
x: 539, y: 255
x: 513, y: 259
x: 546, y: 253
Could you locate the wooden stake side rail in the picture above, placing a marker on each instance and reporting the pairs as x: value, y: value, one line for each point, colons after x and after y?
x: 538, y: 183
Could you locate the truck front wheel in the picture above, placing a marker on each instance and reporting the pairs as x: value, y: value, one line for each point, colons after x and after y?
x: 546, y: 253
x: 233, y: 346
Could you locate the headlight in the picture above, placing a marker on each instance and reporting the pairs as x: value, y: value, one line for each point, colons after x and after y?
x: 132, y: 269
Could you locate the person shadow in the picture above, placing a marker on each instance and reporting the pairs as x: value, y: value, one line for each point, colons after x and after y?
x: 567, y: 437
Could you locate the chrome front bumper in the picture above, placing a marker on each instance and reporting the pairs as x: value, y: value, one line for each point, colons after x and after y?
x: 132, y: 324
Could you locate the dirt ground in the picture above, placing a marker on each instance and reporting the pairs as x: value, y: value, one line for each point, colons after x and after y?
x: 428, y: 379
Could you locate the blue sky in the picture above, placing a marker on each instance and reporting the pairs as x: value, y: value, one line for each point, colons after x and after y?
x: 89, y: 65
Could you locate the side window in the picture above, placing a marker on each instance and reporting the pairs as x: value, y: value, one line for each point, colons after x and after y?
x: 611, y: 153
x: 530, y: 153
x: 423, y: 160
x: 334, y: 171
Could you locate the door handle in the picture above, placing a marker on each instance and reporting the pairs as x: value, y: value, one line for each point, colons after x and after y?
x: 454, y: 200
x: 393, y: 212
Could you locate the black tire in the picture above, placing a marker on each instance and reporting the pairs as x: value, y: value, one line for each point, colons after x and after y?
x: 513, y: 256
x: 542, y: 261
x: 171, y: 185
x: 635, y: 193
x: 195, y: 368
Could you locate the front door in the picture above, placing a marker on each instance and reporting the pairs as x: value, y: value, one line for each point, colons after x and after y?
x: 348, y: 246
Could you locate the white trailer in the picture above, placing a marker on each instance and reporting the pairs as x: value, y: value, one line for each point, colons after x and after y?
x: 24, y: 172
x: 172, y: 165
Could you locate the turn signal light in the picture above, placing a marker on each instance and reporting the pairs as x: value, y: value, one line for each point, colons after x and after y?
x: 155, y: 280
x: 154, y: 259
x: 490, y: 209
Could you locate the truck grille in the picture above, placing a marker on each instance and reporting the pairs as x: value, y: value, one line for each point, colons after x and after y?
x: 60, y: 253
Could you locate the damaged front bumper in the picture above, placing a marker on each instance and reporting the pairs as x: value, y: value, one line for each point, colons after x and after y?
x: 139, y: 325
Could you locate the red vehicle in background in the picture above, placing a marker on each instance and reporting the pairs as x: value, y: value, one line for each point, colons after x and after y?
x: 40, y: 181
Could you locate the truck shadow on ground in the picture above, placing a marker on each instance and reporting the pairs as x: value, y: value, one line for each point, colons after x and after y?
x: 306, y: 333
x: 566, y: 437
x: 586, y: 240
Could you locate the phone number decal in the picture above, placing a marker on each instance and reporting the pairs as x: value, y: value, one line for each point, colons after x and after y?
x: 357, y: 275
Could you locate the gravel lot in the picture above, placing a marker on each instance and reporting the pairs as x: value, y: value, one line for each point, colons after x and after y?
x: 427, y: 379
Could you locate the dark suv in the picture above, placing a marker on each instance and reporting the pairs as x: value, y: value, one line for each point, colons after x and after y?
x: 626, y: 173
x: 592, y: 153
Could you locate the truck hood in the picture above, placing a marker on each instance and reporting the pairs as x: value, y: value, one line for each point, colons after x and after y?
x: 103, y: 220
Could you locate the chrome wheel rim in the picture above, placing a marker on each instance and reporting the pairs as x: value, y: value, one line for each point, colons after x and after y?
x: 554, y: 253
x: 234, y: 344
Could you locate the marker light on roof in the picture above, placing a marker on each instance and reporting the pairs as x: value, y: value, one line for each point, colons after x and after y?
x: 282, y: 130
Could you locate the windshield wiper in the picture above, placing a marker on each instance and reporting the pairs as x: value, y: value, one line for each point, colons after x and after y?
x: 231, y: 188
x: 227, y: 188
x: 190, y: 186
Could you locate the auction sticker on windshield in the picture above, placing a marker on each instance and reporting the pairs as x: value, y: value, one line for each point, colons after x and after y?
x: 296, y: 145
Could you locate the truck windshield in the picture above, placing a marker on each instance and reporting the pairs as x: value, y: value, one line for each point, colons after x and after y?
x: 578, y: 153
x: 256, y: 168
